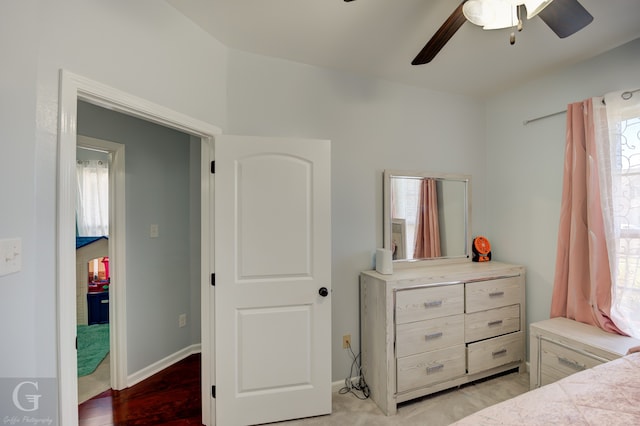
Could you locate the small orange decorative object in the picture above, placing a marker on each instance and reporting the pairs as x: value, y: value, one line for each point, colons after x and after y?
x: 481, y: 249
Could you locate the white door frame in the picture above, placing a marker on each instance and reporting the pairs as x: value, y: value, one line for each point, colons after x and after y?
x: 117, y: 254
x: 73, y: 88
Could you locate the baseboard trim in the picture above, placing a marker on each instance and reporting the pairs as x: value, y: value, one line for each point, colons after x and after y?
x: 337, y: 385
x: 160, y: 365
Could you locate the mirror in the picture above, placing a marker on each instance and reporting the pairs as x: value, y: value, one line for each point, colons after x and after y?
x: 441, y: 229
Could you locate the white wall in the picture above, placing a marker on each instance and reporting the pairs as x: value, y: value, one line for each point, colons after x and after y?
x: 149, y: 50
x: 144, y: 48
x: 25, y: 299
x: 525, y: 163
x: 373, y: 125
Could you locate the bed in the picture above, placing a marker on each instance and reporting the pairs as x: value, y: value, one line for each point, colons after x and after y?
x: 608, y: 394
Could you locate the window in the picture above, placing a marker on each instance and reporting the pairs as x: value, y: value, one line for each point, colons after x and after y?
x: 624, y: 149
x: 92, y: 199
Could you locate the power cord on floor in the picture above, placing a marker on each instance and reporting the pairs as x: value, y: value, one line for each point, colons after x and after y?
x: 360, y: 389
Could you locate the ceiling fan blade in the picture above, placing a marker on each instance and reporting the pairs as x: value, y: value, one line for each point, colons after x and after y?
x: 565, y: 17
x: 441, y: 37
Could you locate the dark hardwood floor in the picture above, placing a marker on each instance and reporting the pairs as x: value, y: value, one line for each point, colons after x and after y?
x: 171, y: 397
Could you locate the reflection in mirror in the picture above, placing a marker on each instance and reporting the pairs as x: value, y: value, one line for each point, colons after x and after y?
x: 427, y: 215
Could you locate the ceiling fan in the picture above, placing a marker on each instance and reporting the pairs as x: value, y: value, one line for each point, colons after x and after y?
x: 564, y: 17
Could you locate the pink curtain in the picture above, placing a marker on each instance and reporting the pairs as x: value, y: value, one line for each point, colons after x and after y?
x: 582, y: 283
x: 427, y: 242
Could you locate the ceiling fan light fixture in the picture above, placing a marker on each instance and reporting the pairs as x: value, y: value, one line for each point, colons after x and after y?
x: 491, y: 14
x: 535, y: 6
x: 564, y: 18
x: 479, y: 12
x: 506, y: 15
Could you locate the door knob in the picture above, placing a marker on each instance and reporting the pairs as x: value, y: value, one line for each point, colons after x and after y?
x: 323, y: 292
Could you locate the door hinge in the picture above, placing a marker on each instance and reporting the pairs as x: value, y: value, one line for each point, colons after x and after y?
x: 213, y: 167
x: 213, y: 391
x: 213, y: 280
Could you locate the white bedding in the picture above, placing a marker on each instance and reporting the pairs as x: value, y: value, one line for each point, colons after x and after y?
x: 605, y: 395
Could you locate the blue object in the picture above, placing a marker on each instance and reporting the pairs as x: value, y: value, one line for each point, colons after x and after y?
x: 84, y: 241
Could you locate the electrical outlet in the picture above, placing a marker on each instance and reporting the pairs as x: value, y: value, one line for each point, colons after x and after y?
x: 346, y: 341
x: 182, y: 320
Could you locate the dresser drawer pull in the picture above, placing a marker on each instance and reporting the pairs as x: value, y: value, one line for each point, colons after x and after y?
x: 433, y: 335
x: 433, y: 304
x: 496, y: 294
x: 572, y: 364
x: 501, y: 352
x: 496, y: 322
x: 435, y: 368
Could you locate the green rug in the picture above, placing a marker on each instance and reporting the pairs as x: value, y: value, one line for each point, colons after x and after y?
x: 93, y: 346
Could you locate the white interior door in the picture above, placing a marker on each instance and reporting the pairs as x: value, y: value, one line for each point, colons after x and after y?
x: 272, y: 258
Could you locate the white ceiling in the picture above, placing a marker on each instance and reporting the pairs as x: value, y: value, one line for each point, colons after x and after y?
x: 379, y: 38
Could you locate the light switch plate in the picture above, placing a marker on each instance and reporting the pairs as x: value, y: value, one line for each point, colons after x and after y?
x: 10, y: 256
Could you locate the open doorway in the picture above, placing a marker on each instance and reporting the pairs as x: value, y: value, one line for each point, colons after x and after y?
x: 73, y: 89
x: 158, y: 275
x: 93, y: 278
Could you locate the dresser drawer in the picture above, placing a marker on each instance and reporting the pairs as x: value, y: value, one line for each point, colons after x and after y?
x: 483, y: 295
x: 495, y: 352
x: 491, y: 323
x: 425, y: 303
x: 423, y: 336
x: 558, y: 361
x: 425, y: 369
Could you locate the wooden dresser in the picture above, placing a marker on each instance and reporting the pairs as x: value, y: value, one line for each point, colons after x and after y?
x: 560, y: 347
x: 428, y: 328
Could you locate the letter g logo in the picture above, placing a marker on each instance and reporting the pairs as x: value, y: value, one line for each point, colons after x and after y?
x: 32, y: 398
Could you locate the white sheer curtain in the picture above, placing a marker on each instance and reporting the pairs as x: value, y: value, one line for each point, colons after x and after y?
x: 405, y: 193
x: 92, y: 200
x: 619, y: 161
